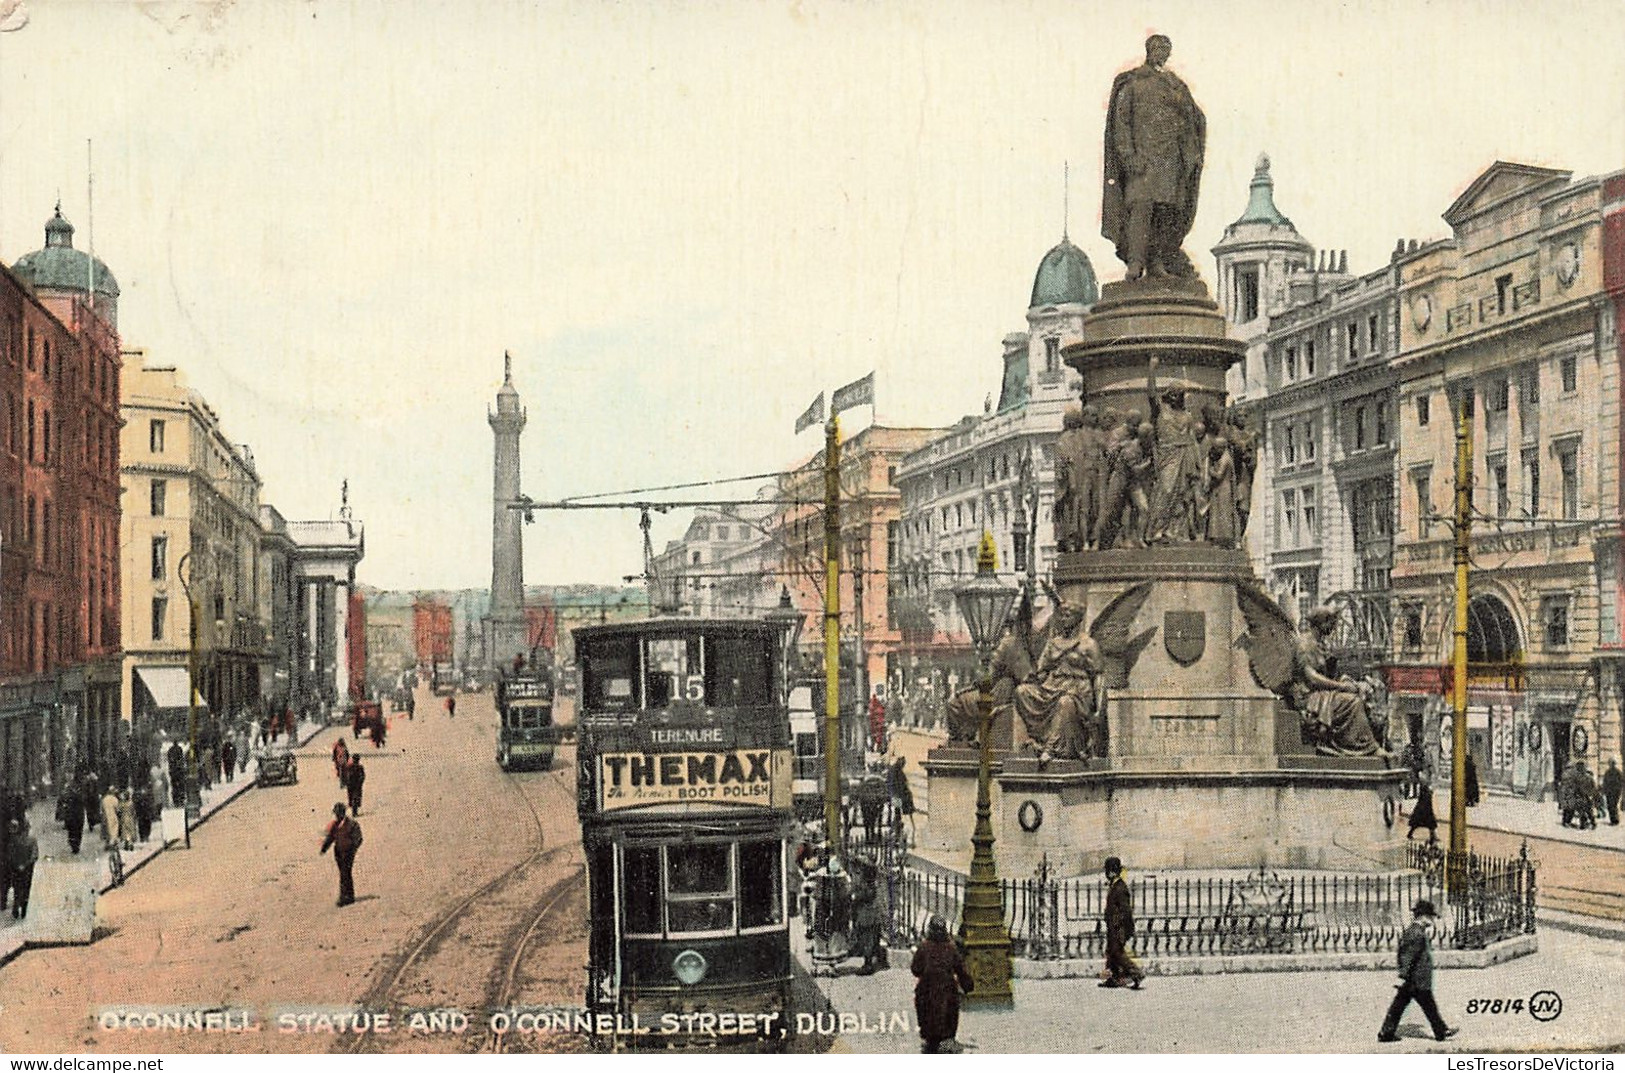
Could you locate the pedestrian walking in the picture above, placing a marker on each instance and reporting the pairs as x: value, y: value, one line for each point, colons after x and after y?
x: 864, y: 938
x: 22, y: 851
x: 1121, y: 970
x: 177, y: 775
x: 376, y: 730
x: 411, y: 705
x: 71, y: 809
x: 344, y: 835
x: 145, y: 813
x: 1472, y: 781
x: 355, y: 777
x: 341, y: 759
x: 451, y: 707
x: 1422, y: 815
x: 126, y: 819
x: 939, y: 974
x: 228, y: 759
x: 206, y: 769
x: 1611, y: 786
x: 902, y: 795
x: 110, y: 818
x: 1416, y: 977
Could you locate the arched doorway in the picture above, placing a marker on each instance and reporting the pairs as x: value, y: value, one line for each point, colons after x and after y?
x: 1495, y: 656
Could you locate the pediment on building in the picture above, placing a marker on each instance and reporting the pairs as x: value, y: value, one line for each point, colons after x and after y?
x: 1500, y: 181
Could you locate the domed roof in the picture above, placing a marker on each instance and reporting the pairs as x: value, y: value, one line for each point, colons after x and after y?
x: 61, y: 267
x: 1065, y: 276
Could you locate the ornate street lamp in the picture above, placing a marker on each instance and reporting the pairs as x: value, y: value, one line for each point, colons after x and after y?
x: 789, y: 621
x: 985, y: 605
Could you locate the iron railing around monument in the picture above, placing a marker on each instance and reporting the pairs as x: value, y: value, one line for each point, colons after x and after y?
x: 1226, y: 914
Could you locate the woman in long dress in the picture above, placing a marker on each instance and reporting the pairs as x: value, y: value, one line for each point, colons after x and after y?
x: 940, y: 973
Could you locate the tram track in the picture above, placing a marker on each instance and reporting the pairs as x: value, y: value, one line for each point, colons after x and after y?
x: 507, y: 985
x: 410, y: 981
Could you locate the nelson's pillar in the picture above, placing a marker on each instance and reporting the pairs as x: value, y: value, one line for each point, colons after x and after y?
x: 509, y: 634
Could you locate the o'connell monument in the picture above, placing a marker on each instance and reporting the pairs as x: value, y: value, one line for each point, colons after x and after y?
x: 1172, y: 715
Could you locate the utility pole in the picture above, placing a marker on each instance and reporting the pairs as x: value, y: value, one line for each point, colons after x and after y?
x: 860, y: 658
x: 832, y: 634
x: 1458, y: 660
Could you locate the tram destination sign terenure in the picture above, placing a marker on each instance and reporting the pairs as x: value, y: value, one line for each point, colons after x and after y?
x: 737, y: 777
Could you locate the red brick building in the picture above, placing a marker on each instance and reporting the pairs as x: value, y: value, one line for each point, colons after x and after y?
x: 431, y: 632
x: 59, y: 514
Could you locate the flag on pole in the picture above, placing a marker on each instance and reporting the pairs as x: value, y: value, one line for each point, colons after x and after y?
x: 857, y: 393
x: 812, y: 415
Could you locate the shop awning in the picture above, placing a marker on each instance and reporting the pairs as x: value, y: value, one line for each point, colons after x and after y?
x: 167, y: 686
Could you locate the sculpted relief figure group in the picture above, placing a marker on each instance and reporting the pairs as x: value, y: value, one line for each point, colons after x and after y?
x: 1125, y: 480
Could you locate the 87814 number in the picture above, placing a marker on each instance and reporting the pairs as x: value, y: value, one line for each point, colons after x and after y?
x: 1495, y: 1005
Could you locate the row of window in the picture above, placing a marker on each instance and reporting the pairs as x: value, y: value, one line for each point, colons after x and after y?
x: 1532, y: 500
x: 38, y: 355
x: 1554, y: 623
x: 1498, y: 393
x: 1362, y: 339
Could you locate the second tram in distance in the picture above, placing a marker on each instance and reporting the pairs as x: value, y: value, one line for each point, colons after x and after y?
x: 684, y: 793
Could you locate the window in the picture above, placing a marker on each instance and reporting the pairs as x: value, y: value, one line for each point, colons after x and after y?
x: 1289, y: 450
x: 1380, y: 412
x: 1311, y: 531
x: 699, y: 888
x: 607, y: 670
x: 739, y: 672
x: 1359, y: 427
x: 1498, y: 485
x: 1413, y: 627
x: 1503, y: 288
x: 1052, y: 354
x: 155, y: 437
x: 1461, y: 400
x: 761, y: 884
x: 1529, y: 389
x: 640, y: 895
x: 160, y: 557
x: 1568, y: 465
x: 1554, y: 615
x: 1424, y: 504
x: 1288, y: 535
x: 1289, y: 363
x: 1247, y: 295
x: 160, y: 611
x: 1354, y: 340
x: 1498, y: 393
x: 1309, y: 441
x: 1309, y: 358
x: 1531, y: 482
x: 1372, y: 334
x: 1569, y: 369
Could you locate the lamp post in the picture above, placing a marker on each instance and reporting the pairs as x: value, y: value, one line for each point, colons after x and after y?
x: 194, y: 802
x: 985, y: 605
x: 789, y: 621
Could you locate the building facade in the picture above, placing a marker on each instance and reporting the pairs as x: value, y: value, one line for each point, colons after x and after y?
x: 191, y: 540
x: 983, y: 474
x: 1508, y: 326
x: 59, y: 462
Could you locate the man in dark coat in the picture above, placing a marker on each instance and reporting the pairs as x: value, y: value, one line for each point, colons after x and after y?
x: 72, y: 810
x: 1422, y: 816
x: 21, y: 853
x: 1472, y: 781
x: 1415, y: 977
x: 177, y: 775
x: 1121, y: 969
x: 228, y: 759
x: 1611, y: 786
x: 940, y: 973
x: 355, y: 777
x: 344, y: 835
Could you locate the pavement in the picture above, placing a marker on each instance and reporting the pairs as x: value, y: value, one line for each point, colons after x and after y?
x: 1515, y: 815
x: 52, y: 837
x: 1335, y: 1012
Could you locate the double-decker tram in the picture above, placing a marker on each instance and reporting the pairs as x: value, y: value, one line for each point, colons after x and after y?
x: 684, y: 794
x: 526, y: 734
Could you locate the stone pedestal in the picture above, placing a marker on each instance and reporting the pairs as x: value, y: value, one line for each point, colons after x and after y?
x: 1204, y: 769
x: 950, y: 772
x: 62, y: 904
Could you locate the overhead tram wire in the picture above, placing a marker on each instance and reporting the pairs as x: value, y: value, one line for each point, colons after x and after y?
x: 686, y: 484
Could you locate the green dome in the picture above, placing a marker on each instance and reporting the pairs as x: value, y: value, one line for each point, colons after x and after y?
x: 1065, y: 276
x: 61, y: 267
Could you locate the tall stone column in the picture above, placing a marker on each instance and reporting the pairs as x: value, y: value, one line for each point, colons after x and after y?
x: 341, y: 642
x: 508, y: 634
